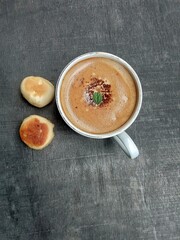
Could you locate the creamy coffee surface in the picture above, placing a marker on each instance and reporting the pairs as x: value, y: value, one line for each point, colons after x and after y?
x: 98, y: 95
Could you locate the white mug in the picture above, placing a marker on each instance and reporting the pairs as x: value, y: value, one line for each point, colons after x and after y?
x: 119, y: 134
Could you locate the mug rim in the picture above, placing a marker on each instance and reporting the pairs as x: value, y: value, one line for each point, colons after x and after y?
x: 103, y: 55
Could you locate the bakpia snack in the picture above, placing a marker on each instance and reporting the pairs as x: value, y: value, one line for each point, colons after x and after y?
x: 37, y: 91
x: 36, y: 132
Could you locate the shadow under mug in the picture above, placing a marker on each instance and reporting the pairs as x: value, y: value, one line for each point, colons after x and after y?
x: 122, y: 138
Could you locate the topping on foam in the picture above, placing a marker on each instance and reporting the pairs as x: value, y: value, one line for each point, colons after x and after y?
x: 100, y: 86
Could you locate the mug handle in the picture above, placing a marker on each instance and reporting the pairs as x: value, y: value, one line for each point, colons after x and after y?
x: 127, y: 144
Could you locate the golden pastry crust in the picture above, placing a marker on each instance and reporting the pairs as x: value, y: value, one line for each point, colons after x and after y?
x: 36, y: 132
x: 37, y: 91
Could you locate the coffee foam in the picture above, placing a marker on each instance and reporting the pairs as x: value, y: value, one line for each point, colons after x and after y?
x: 98, y: 119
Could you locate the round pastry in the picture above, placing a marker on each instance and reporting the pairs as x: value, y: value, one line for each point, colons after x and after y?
x: 36, y: 132
x: 37, y: 91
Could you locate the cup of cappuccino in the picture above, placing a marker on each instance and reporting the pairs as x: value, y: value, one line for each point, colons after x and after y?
x: 99, y: 95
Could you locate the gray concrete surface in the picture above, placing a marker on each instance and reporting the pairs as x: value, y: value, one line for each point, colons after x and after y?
x: 79, y: 188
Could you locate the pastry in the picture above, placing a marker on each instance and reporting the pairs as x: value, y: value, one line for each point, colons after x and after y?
x: 36, y: 132
x: 37, y: 91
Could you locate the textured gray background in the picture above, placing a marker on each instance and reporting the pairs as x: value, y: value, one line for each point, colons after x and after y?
x: 79, y: 188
